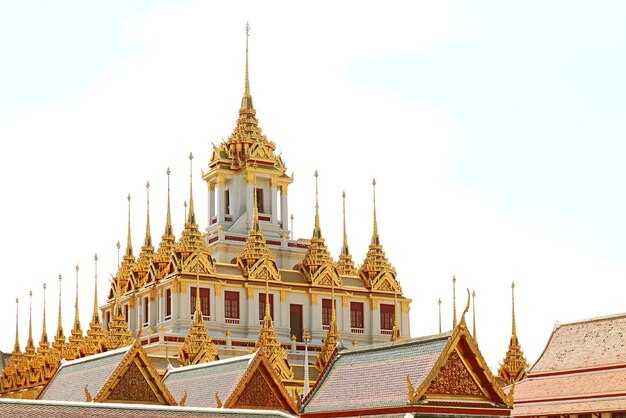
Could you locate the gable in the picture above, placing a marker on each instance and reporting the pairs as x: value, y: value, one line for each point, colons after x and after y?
x: 258, y: 393
x: 133, y: 387
x: 454, y: 379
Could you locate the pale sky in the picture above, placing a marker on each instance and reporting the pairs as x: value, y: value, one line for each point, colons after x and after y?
x: 495, y: 131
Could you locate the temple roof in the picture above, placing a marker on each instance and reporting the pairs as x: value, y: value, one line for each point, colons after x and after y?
x: 10, y: 408
x: 355, y: 378
x: 584, y: 344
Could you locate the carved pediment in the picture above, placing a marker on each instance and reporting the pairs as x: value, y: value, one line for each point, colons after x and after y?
x: 385, y: 281
x: 197, y: 262
x: 264, y: 269
x: 454, y: 379
x: 326, y: 275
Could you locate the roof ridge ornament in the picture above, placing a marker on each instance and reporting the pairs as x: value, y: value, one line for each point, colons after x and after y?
x: 514, y: 366
x: 345, y: 265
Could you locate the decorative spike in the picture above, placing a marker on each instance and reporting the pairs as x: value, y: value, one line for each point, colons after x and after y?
x: 453, y: 302
x: 168, y: 219
x: 474, y: 314
x: 246, y: 101
x: 129, y: 244
x: 76, y: 317
x: 439, y: 302
x: 95, y: 316
x: 59, y: 334
x: 375, y: 237
x: 513, y: 368
x: 118, y: 252
x: 513, y: 326
x: 185, y: 206
x: 30, y: 345
x: 44, y: 333
x: 191, y: 217
x: 345, y: 265
x: 317, y: 232
x: 148, y: 239
x: 344, y: 248
x: 16, y: 347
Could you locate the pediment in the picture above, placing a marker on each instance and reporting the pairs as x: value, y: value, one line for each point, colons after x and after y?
x: 385, y: 281
x: 264, y: 269
x: 326, y: 275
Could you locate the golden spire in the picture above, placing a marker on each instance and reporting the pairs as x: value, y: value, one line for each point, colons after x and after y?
x: 376, y: 271
x: 395, y: 332
x: 474, y: 314
x: 439, y: 302
x: 168, y: 218
x: 148, y: 239
x: 513, y: 369
x: 345, y: 265
x: 166, y: 247
x: 95, y: 316
x: 30, y: 345
x: 191, y: 217
x: 332, y: 337
x: 317, y: 256
x: 76, y: 329
x: 59, y: 338
x: 453, y: 302
x: 118, y: 252
x: 246, y: 101
x: 198, y: 346
x: 268, y: 342
x: 43, y: 342
x: 129, y: 244
x: 256, y: 249
x: 16, y: 347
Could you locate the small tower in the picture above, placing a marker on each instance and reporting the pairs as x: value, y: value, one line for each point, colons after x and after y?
x: 246, y: 155
x: 198, y: 346
x: 76, y: 339
x: 376, y: 271
x: 59, y: 338
x: 124, y: 274
x: 29, y: 351
x: 345, y: 265
x: 140, y: 274
x: 44, y: 343
x: 318, y: 266
x: 168, y: 240
x: 268, y: 342
x: 95, y: 333
x: 513, y: 368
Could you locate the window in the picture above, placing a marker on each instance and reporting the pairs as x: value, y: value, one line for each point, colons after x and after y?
x: 387, y: 314
x: 126, y: 313
x: 227, y: 202
x: 356, y: 315
x: 262, y: 306
x: 146, y: 312
x: 168, y: 303
x: 204, y: 302
x: 295, y: 320
x: 231, y: 304
x: 259, y: 200
x: 326, y: 312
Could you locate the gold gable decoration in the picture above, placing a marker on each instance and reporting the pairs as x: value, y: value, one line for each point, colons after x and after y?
x: 514, y: 367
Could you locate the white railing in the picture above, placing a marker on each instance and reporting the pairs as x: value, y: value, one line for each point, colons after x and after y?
x: 232, y: 320
x: 357, y: 330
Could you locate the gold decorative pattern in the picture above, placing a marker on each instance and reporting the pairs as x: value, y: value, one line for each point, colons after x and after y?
x: 133, y: 387
x: 513, y: 369
x: 454, y: 379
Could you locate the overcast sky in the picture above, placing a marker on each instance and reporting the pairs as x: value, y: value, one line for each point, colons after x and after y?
x: 495, y: 132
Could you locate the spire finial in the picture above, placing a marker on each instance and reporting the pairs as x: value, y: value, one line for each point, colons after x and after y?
x: 513, y: 326
x: 168, y: 218
x: 439, y: 302
x: 76, y: 318
x: 246, y: 91
x: 191, y: 217
x: 60, y: 322
x: 474, y: 314
x: 375, y: 239
x: 344, y: 248
x: 148, y: 240
x: 95, y: 317
x: 16, y: 347
x: 317, y: 232
x: 30, y: 345
x: 44, y: 332
x: 129, y: 245
x: 118, y: 246
x: 453, y: 302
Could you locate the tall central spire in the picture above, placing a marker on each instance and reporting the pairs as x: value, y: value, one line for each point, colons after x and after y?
x: 246, y: 101
x: 76, y: 328
x: 95, y: 316
x: 148, y: 239
x: 317, y: 231
x: 59, y: 338
x: 191, y: 218
x: 44, y: 343
x: 16, y: 347
x: 30, y: 345
x: 129, y: 243
x: 169, y: 232
x: 513, y: 368
x: 375, y: 237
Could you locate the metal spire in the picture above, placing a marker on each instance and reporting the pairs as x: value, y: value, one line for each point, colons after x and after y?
x: 317, y: 231
x: 246, y: 101
x: 148, y: 240
x: 59, y: 334
x: 439, y: 301
x: 453, y: 302
x: 375, y: 238
x: 118, y: 246
x: 129, y: 244
x: 16, y: 347
x: 30, y: 345
x: 344, y: 248
x: 76, y: 318
x: 44, y: 332
x: 513, y: 326
x: 168, y: 218
x: 95, y: 316
x: 191, y: 217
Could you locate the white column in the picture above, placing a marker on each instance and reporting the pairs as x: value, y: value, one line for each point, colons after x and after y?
x: 273, y: 200
x: 219, y: 198
x: 374, y: 328
x: 211, y: 193
x: 217, y: 307
x: 249, y: 201
x: 284, y: 210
